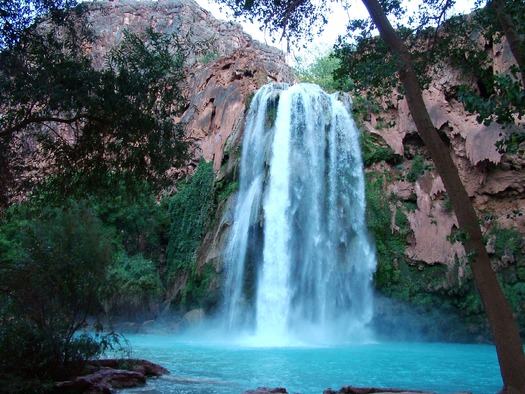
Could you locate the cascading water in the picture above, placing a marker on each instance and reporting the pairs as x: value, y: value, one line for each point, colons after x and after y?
x: 299, y: 261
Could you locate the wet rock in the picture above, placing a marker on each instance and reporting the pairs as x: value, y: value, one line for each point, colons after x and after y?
x: 147, y: 326
x: 369, y: 390
x: 102, y: 381
x: 129, y: 328
x: 266, y: 390
x: 194, y: 317
x: 105, y: 375
x: 145, y: 367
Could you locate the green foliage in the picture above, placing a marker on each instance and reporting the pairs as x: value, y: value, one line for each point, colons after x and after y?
x: 201, y: 289
x: 447, y: 205
x: 504, y: 102
x: 457, y: 235
x: 231, y: 188
x: 369, y: 64
x: 417, y: 169
x: 18, y: 15
x: 90, y: 127
x: 495, y: 97
x: 190, y: 211
x: 373, y: 152
x: 248, y: 101
x: 52, y: 265
x: 138, y: 222
x: 133, y: 284
x: 193, y: 211
x: 320, y: 71
x: 210, y: 56
x: 293, y: 22
x: 363, y: 106
x: 508, y: 241
x: 390, y: 246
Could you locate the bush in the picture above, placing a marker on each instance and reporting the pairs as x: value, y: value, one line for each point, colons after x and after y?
x: 52, y: 265
x: 508, y: 241
x: 321, y: 70
x: 418, y: 168
x: 190, y: 212
x: 134, y: 284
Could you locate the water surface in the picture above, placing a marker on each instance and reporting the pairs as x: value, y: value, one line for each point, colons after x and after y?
x: 203, y: 366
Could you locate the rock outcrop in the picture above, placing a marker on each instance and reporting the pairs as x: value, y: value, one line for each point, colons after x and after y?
x: 494, y: 180
x: 109, y: 374
x: 266, y: 390
x: 225, y: 65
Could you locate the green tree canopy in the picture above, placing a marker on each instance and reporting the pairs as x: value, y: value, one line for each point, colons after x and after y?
x: 434, y: 40
x: 71, y: 126
x: 52, y: 264
x: 17, y: 15
x: 320, y: 71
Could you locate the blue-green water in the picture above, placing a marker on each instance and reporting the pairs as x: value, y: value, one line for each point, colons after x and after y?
x: 212, y: 367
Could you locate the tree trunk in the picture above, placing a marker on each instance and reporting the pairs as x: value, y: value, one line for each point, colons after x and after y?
x: 513, y: 37
x: 505, y: 332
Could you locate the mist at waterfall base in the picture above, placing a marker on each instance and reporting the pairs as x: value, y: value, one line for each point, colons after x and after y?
x: 298, y: 302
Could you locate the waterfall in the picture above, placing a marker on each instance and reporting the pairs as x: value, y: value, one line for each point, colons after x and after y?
x: 299, y: 263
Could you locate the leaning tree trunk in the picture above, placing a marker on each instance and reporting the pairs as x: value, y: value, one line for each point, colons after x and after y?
x: 513, y: 37
x: 505, y: 332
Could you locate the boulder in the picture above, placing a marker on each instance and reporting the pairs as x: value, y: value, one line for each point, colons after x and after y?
x: 102, y: 381
x: 108, y: 374
x: 266, y: 390
x: 145, y: 367
x: 194, y: 317
x: 368, y: 390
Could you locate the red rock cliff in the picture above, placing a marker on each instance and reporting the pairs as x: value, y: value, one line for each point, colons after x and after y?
x: 232, y: 67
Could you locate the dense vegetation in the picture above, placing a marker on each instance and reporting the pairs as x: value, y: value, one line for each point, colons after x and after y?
x: 85, y: 150
x: 71, y: 126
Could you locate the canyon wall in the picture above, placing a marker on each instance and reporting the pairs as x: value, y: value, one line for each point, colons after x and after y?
x: 494, y: 180
x: 225, y: 64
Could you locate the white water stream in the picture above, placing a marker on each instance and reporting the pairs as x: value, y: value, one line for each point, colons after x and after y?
x: 299, y: 261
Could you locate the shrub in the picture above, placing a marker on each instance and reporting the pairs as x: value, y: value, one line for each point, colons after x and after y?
x: 418, y: 168
x: 133, y: 285
x: 52, y: 266
x: 373, y: 152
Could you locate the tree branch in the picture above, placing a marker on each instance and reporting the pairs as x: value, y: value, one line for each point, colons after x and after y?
x: 43, y: 119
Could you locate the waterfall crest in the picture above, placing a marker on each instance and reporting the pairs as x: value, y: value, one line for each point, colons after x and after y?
x: 299, y: 263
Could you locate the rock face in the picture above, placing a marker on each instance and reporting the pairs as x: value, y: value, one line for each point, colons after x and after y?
x: 495, y: 181
x: 226, y: 64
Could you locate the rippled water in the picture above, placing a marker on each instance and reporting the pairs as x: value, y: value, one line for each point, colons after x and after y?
x: 205, y: 366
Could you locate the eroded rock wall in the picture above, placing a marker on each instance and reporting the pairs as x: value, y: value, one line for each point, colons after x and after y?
x: 495, y: 181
